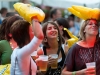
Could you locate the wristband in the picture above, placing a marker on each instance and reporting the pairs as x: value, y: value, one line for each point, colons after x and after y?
x: 74, y: 73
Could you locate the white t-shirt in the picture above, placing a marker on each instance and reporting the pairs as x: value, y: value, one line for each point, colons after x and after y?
x: 23, y: 58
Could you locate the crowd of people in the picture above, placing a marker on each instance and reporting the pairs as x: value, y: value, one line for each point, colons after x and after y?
x: 20, y: 38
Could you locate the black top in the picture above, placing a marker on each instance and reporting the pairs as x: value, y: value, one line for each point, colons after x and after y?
x: 60, y: 64
x: 78, y: 56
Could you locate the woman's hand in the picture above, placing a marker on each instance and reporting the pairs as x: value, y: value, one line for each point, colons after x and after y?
x: 51, y: 60
x: 88, y: 71
x: 91, y: 71
x: 40, y: 51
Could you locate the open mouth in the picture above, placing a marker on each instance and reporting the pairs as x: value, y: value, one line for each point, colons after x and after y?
x: 53, y: 33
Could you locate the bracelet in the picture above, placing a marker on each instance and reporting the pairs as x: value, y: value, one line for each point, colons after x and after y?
x: 74, y: 73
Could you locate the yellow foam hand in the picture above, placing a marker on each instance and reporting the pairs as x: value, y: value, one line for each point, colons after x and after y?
x: 85, y: 12
x: 73, y: 39
x: 28, y: 12
x: 73, y: 11
x: 95, y: 13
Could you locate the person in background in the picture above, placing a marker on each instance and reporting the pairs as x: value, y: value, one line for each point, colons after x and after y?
x: 4, y: 53
x: 3, y: 13
x: 73, y: 24
x: 69, y: 38
x: 54, y: 14
x: 8, y: 35
x: 7, y: 44
x: 11, y: 14
x: 62, y: 23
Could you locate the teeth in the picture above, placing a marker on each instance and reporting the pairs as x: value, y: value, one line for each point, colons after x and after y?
x: 53, y: 33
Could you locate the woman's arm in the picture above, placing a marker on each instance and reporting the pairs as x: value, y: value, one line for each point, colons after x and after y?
x: 65, y: 72
x: 35, y: 42
x: 37, y: 29
x: 87, y: 71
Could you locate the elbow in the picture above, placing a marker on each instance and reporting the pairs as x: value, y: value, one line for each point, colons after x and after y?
x: 41, y: 36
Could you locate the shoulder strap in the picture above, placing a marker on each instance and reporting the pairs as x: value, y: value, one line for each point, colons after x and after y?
x: 30, y: 70
x: 44, y: 49
x: 59, y: 49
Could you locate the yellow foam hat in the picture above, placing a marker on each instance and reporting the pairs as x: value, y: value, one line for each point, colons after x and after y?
x: 73, y: 39
x: 85, y: 12
x: 28, y: 12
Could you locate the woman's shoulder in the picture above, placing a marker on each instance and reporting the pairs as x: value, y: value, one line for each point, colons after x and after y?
x: 78, y: 45
x: 3, y: 41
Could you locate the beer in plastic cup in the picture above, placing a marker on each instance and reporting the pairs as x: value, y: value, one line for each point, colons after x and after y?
x: 91, y: 65
x: 54, y: 64
x: 43, y: 63
x: 34, y: 55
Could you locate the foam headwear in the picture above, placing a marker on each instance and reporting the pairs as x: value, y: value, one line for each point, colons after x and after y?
x: 85, y: 12
x: 28, y: 12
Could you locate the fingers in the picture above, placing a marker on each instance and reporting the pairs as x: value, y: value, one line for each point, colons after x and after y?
x: 51, y: 60
x: 90, y: 71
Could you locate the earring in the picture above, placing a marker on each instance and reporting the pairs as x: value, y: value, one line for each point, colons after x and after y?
x: 84, y: 31
x: 58, y: 38
x: 45, y: 39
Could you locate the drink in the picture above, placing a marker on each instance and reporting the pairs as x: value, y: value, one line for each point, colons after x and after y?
x: 91, y: 65
x: 43, y: 65
x: 43, y: 62
x: 54, y: 64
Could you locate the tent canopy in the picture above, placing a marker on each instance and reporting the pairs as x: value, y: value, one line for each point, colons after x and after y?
x: 68, y: 3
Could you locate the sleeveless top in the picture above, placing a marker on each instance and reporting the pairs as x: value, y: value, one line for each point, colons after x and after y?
x: 60, y: 64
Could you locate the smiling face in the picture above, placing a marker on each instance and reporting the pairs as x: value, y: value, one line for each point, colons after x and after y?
x: 52, y: 31
x: 91, y: 28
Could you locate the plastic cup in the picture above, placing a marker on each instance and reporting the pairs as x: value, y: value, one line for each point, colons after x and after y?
x: 54, y: 64
x: 43, y: 63
x: 34, y: 55
x: 91, y: 64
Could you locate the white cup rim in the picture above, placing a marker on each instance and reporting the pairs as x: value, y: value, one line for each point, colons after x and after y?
x: 91, y: 64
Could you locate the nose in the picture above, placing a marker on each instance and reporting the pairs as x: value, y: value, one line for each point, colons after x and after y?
x: 53, y: 29
x: 94, y: 24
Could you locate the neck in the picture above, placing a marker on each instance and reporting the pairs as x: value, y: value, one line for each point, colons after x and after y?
x: 13, y: 44
x: 91, y: 40
x: 53, y: 43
